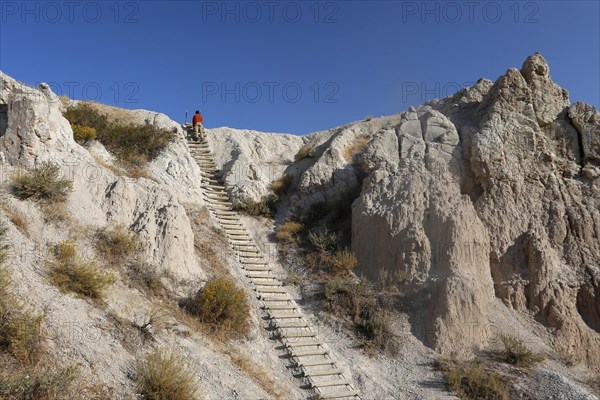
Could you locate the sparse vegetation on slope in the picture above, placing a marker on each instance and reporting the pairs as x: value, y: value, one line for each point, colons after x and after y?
x: 70, y: 273
x: 281, y: 185
x: 471, y: 381
x: 305, y: 151
x: 288, y: 231
x: 517, y: 353
x: 134, y: 145
x: 266, y: 207
x: 42, y: 384
x: 356, y: 147
x: 116, y: 244
x: 165, y: 375
x: 20, y: 325
x: 42, y: 182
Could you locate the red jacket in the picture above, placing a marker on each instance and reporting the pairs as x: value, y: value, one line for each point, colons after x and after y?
x: 197, y: 118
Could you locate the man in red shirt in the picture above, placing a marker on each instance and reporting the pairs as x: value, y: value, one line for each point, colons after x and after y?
x: 197, y: 124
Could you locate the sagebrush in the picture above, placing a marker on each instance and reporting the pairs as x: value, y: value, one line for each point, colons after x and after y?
x: 223, y: 305
x: 41, y: 182
x: 165, y: 375
x: 71, y: 273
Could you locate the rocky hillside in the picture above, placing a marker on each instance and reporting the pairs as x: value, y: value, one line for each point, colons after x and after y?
x: 484, y: 204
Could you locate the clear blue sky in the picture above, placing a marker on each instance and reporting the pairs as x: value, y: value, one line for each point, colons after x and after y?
x: 291, y: 66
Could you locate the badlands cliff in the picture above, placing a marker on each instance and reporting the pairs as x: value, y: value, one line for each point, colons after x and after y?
x: 487, y: 203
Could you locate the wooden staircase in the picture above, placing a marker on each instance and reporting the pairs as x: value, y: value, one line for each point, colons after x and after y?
x: 309, y: 355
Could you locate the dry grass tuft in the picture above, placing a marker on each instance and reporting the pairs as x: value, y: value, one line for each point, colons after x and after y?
x: 42, y: 182
x: 288, y: 231
x: 471, y: 381
x: 259, y: 374
x: 305, y: 151
x: 70, y: 273
x: 43, y: 384
x: 281, y: 185
x: 116, y: 244
x: 165, y: 375
x: 356, y: 147
x: 517, y: 353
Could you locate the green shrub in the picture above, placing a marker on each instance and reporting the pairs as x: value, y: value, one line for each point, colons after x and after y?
x: 116, y: 244
x: 165, y: 375
x: 473, y: 382
x: 287, y: 232
x: 281, y: 185
x: 70, y: 273
x: 517, y: 353
x: 324, y: 240
x: 266, y: 207
x: 84, y: 134
x: 42, y: 182
x: 44, y: 384
x: 221, y: 303
x: 305, y: 151
x: 343, y: 261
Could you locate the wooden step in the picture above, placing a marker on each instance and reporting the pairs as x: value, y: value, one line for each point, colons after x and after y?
x: 252, y: 274
x: 335, y: 382
x: 306, y: 343
x: 317, y: 363
x: 275, y: 298
x: 338, y: 395
x: 291, y: 325
x: 268, y: 289
x: 266, y: 283
x: 284, y: 315
x: 257, y: 268
x: 304, y: 334
x: 312, y: 352
x: 325, y: 372
x: 280, y: 307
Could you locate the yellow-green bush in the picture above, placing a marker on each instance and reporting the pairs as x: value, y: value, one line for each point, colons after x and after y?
x: 84, y: 134
x: 70, y: 273
x: 287, y: 232
x: 221, y: 303
x: 42, y: 182
x: 165, y: 375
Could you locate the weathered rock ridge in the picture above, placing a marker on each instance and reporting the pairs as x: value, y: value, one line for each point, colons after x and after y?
x: 489, y: 195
